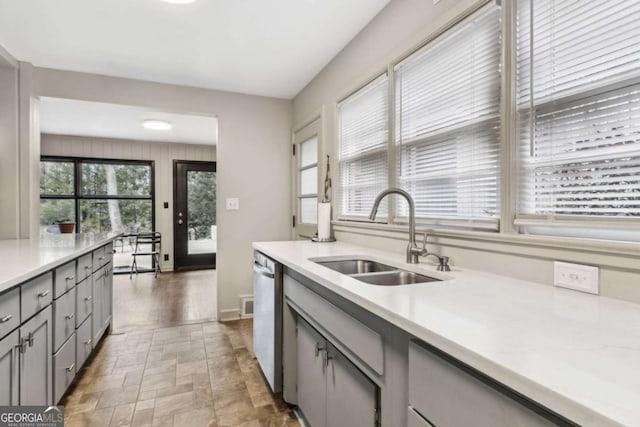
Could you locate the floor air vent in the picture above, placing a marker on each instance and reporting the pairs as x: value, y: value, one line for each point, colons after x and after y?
x: 247, y: 307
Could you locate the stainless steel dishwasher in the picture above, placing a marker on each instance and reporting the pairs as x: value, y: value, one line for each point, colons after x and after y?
x: 267, y: 318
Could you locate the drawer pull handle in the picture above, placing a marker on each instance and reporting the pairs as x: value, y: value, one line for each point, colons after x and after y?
x: 29, y: 339
x: 43, y: 294
x: 6, y: 318
x: 70, y: 368
x: 70, y: 316
x: 88, y: 267
x: 87, y: 342
x: 100, y: 258
x: 89, y: 298
x: 69, y: 278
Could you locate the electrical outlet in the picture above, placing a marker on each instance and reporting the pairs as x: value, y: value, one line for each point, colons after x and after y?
x: 233, y: 204
x: 576, y: 276
x: 166, y: 257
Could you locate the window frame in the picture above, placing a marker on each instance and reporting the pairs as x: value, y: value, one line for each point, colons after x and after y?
x: 78, y: 197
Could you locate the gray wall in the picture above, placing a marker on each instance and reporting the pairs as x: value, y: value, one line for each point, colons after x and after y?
x: 395, y: 32
x: 253, y: 161
x: 161, y: 153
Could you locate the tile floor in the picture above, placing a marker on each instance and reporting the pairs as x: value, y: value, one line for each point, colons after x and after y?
x: 193, y: 375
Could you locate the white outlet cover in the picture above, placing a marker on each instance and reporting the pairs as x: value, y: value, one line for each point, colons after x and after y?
x: 576, y: 276
x: 233, y: 204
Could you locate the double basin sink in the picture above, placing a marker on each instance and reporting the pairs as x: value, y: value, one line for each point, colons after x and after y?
x: 375, y: 273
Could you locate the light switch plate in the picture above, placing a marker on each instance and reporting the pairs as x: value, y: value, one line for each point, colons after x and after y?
x: 576, y: 276
x: 233, y: 204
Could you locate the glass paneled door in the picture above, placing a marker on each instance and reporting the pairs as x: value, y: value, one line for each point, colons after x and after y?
x: 194, y: 215
x: 306, y: 149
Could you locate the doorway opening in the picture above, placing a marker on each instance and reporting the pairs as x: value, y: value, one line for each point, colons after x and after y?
x: 194, y: 215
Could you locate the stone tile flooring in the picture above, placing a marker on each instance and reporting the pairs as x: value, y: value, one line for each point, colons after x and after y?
x: 192, y: 375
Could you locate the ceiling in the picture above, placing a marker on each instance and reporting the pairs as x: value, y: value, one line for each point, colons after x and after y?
x: 261, y: 47
x: 94, y: 119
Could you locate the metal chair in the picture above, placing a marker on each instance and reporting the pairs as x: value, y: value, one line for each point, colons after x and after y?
x: 147, y: 244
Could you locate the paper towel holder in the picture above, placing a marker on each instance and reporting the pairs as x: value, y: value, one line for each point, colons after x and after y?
x: 319, y: 240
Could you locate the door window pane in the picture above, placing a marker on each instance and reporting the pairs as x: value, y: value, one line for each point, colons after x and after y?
x: 309, y: 181
x: 116, y: 179
x: 57, y: 178
x: 52, y: 210
x: 201, y: 212
x: 309, y: 210
x: 309, y: 151
x: 103, y: 216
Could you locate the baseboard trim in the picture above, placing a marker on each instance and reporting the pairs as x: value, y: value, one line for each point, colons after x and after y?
x: 229, y: 314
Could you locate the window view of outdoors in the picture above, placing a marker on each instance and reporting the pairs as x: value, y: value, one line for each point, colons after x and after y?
x: 110, y: 196
x: 201, y: 190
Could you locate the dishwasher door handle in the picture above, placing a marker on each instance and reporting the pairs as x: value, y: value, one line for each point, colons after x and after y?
x: 262, y: 270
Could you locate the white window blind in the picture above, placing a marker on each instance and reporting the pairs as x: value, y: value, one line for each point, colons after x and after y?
x: 448, y: 124
x: 578, y: 95
x: 363, y: 148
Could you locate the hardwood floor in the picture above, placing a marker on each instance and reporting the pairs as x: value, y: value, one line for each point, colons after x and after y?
x: 191, y: 375
x: 145, y: 302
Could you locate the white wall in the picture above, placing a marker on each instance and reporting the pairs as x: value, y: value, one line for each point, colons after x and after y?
x: 396, y: 31
x: 9, y: 148
x: 161, y: 153
x: 253, y: 160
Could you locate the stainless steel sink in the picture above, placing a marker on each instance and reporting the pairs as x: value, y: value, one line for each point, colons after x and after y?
x: 395, y: 278
x: 356, y: 266
x: 376, y: 273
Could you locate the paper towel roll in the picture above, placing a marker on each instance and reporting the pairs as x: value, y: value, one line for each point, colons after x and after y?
x: 324, y: 221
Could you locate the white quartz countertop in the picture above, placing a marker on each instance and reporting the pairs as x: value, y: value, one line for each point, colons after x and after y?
x: 22, y: 259
x: 575, y: 353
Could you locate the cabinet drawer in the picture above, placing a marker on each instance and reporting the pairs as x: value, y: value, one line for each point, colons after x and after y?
x: 98, y: 258
x: 65, y: 279
x: 64, y: 368
x: 9, y: 311
x: 35, y: 295
x: 415, y: 420
x: 108, y: 253
x: 362, y: 341
x: 84, y: 303
x: 83, y: 343
x: 64, y: 314
x: 84, y: 267
x: 448, y: 396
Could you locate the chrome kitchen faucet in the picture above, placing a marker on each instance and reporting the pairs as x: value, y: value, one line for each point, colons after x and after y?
x: 413, y: 251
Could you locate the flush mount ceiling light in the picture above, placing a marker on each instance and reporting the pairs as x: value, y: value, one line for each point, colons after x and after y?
x: 154, y: 124
x: 179, y: 1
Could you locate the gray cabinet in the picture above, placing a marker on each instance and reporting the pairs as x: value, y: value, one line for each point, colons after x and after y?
x: 9, y: 369
x: 331, y: 390
x: 36, y: 346
x: 64, y: 368
x: 64, y: 318
x: 102, y: 301
x: 447, y: 396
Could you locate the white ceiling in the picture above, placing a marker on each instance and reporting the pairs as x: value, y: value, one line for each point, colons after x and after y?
x: 81, y: 118
x: 261, y: 47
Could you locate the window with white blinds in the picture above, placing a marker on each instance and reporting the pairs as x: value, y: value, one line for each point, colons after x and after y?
x: 578, y: 101
x: 448, y: 124
x: 363, y: 148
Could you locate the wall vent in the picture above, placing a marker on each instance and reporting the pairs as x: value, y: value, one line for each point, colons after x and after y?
x: 247, y: 306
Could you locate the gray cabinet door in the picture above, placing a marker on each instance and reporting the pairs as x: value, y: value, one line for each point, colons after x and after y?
x: 36, y: 374
x: 107, y: 296
x: 9, y: 369
x: 97, y: 316
x: 351, y: 396
x: 311, y: 376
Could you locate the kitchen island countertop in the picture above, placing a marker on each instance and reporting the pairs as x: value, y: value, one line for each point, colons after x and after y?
x: 22, y: 259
